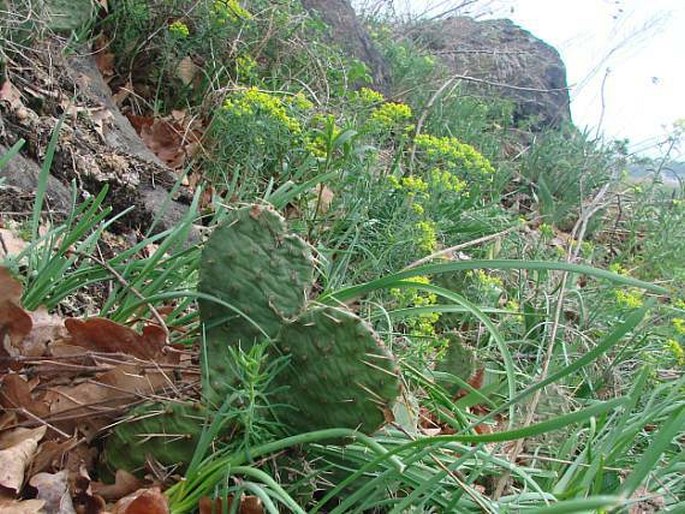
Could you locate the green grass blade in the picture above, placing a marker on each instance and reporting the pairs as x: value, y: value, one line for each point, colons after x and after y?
x: 43, y: 176
x: 663, y: 439
x: 580, y: 505
x: 9, y: 155
x: 602, y: 347
x: 389, y: 281
x: 509, y: 367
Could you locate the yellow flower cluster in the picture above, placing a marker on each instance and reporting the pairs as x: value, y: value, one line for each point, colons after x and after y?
x: 179, y: 29
x: 675, y: 350
x: 413, y: 184
x: 514, y: 307
x: 438, y: 181
x: 616, y: 267
x: 485, y: 280
x: 419, y: 193
x: 427, y: 238
x: 391, y: 115
x: 245, y: 66
x: 453, y: 154
x: 255, y: 102
x: 630, y: 299
x: 369, y: 97
x: 446, y: 181
x: 423, y: 325
x: 229, y: 11
x: 301, y: 102
x: 546, y: 231
x: 679, y: 325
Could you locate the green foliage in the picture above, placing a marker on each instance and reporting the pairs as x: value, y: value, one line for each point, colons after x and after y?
x: 564, y: 168
x: 256, y: 137
x: 467, y: 244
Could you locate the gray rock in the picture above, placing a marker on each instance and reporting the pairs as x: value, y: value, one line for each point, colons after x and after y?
x: 20, y: 183
x: 504, y: 60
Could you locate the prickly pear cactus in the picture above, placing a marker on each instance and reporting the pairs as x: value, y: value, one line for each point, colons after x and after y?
x: 459, y: 360
x: 339, y: 374
x: 252, y: 263
x: 166, y: 432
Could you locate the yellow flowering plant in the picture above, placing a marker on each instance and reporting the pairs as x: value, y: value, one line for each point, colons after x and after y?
x: 419, y: 328
x: 259, y: 132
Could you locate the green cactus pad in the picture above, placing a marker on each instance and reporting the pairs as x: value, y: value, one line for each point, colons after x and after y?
x: 339, y: 374
x: 459, y: 360
x: 252, y: 263
x: 165, y: 432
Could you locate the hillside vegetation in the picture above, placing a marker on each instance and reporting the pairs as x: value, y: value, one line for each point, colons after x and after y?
x: 348, y: 299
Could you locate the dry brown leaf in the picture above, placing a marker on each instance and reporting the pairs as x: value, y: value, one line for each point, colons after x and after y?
x: 91, y: 405
x: 171, y: 141
x: 15, y: 325
x: 105, y: 63
x: 324, y: 198
x: 124, y: 484
x: 86, y: 502
x: 22, y: 507
x: 86, y: 407
x: 103, y: 335
x: 11, y: 95
x: 47, y: 328
x: 104, y: 58
x: 122, y: 94
x: 11, y: 244
x: 52, y: 455
x: 8, y: 419
x: 143, y: 501
x: 186, y: 70
x: 53, y: 488
x: 18, y: 448
x: 10, y: 288
x: 17, y: 395
x: 248, y: 505
x: 166, y: 141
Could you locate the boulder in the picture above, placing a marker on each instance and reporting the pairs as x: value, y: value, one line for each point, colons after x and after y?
x: 497, y: 57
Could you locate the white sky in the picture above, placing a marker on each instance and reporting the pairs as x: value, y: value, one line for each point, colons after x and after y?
x: 640, y: 42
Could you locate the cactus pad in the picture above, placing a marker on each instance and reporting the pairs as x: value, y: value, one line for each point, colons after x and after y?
x: 339, y: 374
x: 165, y: 432
x: 459, y: 360
x: 252, y: 263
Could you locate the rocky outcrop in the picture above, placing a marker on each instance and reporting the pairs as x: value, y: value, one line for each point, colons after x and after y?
x: 349, y: 34
x: 497, y: 57
x: 492, y: 58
